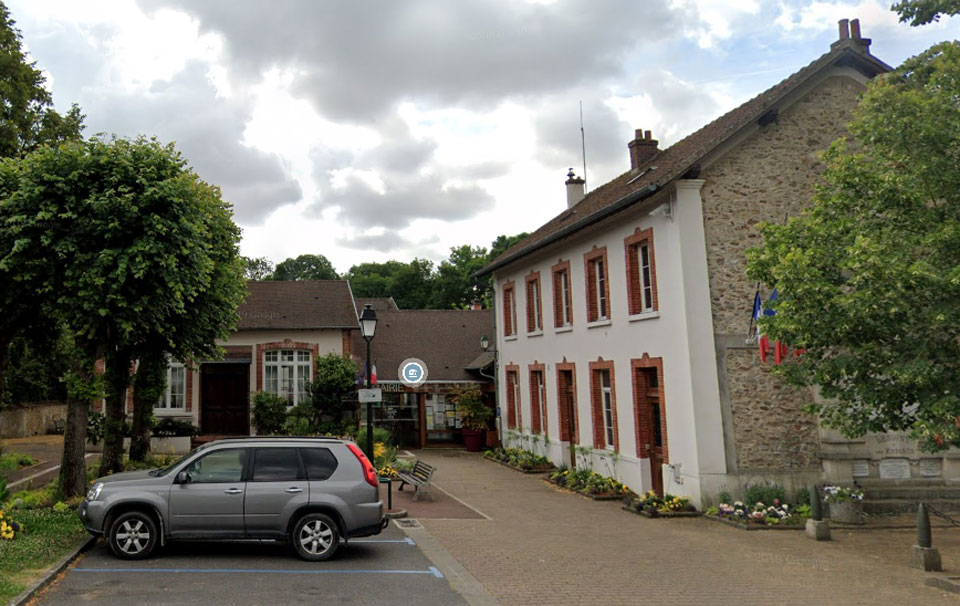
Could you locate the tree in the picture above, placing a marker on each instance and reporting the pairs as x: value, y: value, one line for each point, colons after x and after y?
x: 305, y: 267
x: 127, y: 249
x: 455, y: 286
x: 259, y: 268
x: 335, y: 376
x: 869, y: 276
x: 922, y: 12
x: 410, y: 284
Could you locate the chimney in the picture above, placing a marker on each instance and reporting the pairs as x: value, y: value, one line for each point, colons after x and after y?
x: 475, y: 305
x: 642, y: 149
x: 850, y: 36
x: 575, y: 191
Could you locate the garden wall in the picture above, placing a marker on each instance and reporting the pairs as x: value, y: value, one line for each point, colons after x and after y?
x: 26, y: 420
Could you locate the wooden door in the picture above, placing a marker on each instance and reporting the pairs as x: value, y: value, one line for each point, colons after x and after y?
x: 225, y: 399
x: 651, y: 415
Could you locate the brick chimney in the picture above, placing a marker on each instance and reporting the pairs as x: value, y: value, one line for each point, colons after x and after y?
x: 575, y: 189
x: 850, y: 36
x: 642, y: 149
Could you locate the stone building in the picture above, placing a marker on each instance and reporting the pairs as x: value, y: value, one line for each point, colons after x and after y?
x: 622, y: 321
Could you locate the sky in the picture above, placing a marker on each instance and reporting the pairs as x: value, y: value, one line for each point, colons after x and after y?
x: 376, y: 130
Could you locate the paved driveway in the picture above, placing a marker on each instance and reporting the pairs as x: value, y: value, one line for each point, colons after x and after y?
x: 385, y: 569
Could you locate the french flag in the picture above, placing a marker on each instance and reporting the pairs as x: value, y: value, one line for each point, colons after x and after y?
x: 373, y: 374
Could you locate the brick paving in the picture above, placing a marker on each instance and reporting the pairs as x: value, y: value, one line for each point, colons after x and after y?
x: 547, y: 546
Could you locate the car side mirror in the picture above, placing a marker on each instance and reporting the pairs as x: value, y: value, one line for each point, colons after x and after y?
x: 183, y: 478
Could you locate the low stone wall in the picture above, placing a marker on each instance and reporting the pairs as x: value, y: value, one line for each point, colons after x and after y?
x: 27, y: 420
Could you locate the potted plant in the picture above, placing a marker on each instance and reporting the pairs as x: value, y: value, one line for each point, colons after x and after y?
x: 473, y: 416
x: 846, y: 504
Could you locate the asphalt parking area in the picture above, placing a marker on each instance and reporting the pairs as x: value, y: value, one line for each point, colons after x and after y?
x: 385, y: 569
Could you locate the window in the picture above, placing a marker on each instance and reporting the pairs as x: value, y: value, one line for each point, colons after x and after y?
x: 509, y: 311
x: 567, y: 401
x: 319, y: 462
x: 218, y: 467
x: 598, y: 287
x: 538, y: 400
x: 649, y: 410
x: 534, y: 307
x: 607, y: 407
x: 604, y: 405
x: 514, y: 418
x: 641, y: 272
x: 287, y: 374
x: 562, y: 297
x: 175, y: 398
x: 276, y: 465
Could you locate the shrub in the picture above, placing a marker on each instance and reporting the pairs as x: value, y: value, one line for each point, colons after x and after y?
x: 724, y: 497
x: 4, y: 493
x: 15, y: 460
x: 169, y: 427
x: 269, y: 413
x: 764, y: 493
x: 802, y: 497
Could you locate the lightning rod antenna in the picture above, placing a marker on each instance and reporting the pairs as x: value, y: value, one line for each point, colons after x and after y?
x: 583, y: 144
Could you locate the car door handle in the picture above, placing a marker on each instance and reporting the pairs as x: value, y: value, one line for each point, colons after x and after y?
x: 293, y: 490
x: 233, y: 490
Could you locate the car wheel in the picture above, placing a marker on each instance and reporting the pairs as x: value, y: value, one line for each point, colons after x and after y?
x: 316, y: 537
x: 133, y: 535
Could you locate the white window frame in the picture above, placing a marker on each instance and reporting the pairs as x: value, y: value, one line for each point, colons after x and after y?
x: 542, y: 397
x: 566, y: 307
x: 289, y: 376
x: 516, y: 399
x: 645, y: 280
x: 167, y: 404
x: 606, y: 395
x: 537, y: 316
x: 599, y: 281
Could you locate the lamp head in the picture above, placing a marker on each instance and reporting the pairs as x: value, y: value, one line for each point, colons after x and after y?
x: 368, y: 322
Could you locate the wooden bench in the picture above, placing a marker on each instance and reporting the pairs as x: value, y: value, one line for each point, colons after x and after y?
x: 419, y: 478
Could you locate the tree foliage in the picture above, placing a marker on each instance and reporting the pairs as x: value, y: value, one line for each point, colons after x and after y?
x: 335, y: 376
x: 922, y: 12
x: 259, y: 268
x: 305, y: 267
x: 869, y: 276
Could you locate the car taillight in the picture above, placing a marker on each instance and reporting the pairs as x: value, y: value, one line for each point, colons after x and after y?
x: 369, y: 474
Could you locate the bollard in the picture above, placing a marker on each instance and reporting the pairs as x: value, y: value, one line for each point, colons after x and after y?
x: 817, y: 529
x: 925, y: 557
x: 816, y: 507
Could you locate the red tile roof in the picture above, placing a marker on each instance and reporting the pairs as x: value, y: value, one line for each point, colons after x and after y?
x: 677, y: 160
x: 306, y: 304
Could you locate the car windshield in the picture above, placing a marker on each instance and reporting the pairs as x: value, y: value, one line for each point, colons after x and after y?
x: 169, y: 468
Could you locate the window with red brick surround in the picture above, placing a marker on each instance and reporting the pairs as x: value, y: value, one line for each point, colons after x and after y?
x: 598, y: 284
x: 534, y: 303
x: 567, y: 388
x: 509, y: 309
x: 603, y: 405
x: 513, y: 396
x: 648, y: 390
x: 562, y: 295
x: 538, y: 399
x: 641, y: 272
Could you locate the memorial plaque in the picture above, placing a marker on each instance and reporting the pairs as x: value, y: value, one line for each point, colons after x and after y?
x: 894, y: 469
x: 861, y: 468
x: 892, y: 444
x: 931, y: 468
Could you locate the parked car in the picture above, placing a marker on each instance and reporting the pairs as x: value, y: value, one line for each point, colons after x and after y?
x: 312, y: 492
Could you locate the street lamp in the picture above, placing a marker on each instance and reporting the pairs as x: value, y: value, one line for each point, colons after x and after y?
x: 485, y: 346
x: 368, y: 326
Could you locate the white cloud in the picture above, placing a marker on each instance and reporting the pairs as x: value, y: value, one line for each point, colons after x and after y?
x: 711, y: 20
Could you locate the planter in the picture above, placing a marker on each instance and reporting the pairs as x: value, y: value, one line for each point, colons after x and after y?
x: 473, y: 439
x: 658, y: 514
x: 521, y: 469
x: 745, y: 526
x: 847, y: 512
x: 606, y: 496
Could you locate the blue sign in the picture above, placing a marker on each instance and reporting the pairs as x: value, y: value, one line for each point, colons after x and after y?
x: 412, y: 372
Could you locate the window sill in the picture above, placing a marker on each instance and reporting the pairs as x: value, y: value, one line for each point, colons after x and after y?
x: 510, y: 338
x: 599, y: 323
x: 536, y: 333
x: 171, y: 412
x: 647, y: 315
x: 565, y: 328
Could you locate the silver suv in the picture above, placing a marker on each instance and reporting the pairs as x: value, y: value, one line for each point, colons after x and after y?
x: 309, y: 491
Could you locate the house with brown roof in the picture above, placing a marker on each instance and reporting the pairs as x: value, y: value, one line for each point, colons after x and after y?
x: 623, y: 321
x: 283, y: 328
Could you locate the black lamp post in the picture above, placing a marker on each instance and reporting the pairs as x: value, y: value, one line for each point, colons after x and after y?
x: 485, y: 346
x: 368, y: 326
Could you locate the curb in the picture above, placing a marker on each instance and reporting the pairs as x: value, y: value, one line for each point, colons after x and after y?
x: 395, y: 514
x: 51, y: 573
x: 944, y: 582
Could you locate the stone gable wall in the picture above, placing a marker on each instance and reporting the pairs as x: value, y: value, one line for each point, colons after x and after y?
x: 768, y: 176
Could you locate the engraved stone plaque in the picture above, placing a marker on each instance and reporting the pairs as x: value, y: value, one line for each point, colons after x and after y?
x: 894, y: 469
x: 861, y: 468
x: 892, y: 444
x: 931, y: 468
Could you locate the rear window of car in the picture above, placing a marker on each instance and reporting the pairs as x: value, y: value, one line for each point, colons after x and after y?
x: 276, y: 465
x: 320, y: 463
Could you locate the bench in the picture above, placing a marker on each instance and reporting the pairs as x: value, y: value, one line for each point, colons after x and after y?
x: 419, y: 478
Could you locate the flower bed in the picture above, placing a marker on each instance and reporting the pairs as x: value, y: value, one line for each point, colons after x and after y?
x: 652, y: 505
x: 590, y: 483
x: 520, y: 460
x: 759, y: 516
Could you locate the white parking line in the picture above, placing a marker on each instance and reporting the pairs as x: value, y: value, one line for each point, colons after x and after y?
x: 407, y: 540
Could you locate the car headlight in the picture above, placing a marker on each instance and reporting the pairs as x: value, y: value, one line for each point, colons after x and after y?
x: 94, y: 491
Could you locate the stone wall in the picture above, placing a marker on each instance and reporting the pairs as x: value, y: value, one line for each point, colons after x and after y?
x: 768, y: 176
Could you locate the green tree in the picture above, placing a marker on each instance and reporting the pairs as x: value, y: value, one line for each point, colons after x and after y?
x: 259, y: 268
x: 455, y: 286
x: 922, y: 12
x: 410, y: 284
x: 335, y: 376
x: 127, y: 248
x: 869, y: 276
x: 305, y: 267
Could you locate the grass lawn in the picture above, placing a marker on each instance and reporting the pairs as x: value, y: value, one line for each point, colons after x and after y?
x: 49, y: 536
x: 14, y: 461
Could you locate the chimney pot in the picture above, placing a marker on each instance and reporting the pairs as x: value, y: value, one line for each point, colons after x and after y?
x: 647, y: 135
x: 642, y: 149
x: 844, y: 29
x: 855, y: 29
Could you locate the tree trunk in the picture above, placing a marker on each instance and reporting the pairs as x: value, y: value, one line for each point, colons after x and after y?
x: 148, y: 387
x: 117, y: 376
x: 73, y: 466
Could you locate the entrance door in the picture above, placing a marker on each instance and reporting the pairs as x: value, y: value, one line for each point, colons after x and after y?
x: 649, y: 392
x: 225, y: 399
x: 568, y: 408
